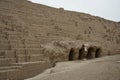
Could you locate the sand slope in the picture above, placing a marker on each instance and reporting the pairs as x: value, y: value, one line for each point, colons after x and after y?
x: 105, y: 68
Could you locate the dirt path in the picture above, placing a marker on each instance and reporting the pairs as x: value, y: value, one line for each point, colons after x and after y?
x: 105, y: 68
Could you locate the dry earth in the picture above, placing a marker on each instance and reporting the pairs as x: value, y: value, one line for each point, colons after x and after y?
x: 31, y: 34
x: 105, y: 68
x: 40, y: 32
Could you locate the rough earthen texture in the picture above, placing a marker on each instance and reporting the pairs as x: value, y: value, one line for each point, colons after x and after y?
x: 91, y: 52
x: 98, y: 52
x: 32, y: 32
x: 82, y: 53
x: 73, y: 54
x: 105, y: 68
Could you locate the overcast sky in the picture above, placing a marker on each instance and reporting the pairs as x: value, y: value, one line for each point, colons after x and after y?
x: 108, y: 9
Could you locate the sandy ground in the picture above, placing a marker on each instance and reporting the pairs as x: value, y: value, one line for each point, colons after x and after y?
x: 105, y: 68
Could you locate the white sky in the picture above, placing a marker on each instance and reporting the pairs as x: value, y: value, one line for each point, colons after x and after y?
x: 108, y: 9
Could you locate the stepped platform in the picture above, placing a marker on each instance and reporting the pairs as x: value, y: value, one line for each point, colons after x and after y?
x: 10, y: 73
x: 20, y: 71
x: 6, y: 61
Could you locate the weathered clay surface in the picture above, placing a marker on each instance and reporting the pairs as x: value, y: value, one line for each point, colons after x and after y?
x: 32, y: 32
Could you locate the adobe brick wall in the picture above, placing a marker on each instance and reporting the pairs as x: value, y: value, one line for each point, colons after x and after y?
x: 26, y: 70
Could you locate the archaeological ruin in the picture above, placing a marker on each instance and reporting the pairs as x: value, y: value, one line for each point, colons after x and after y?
x: 33, y: 37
